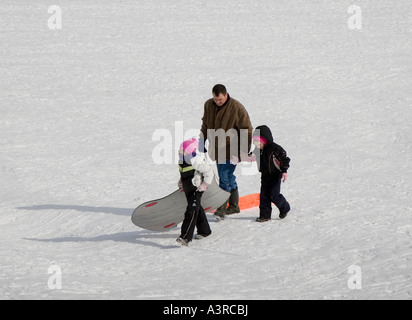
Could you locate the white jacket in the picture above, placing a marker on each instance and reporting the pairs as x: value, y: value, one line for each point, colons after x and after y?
x: 203, y: 171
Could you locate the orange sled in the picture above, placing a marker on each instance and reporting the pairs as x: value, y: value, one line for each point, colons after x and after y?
x: 249, y: 201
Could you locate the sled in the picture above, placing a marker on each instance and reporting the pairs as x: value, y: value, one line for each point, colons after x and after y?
x: 166, y: 213
x: 249, y: 201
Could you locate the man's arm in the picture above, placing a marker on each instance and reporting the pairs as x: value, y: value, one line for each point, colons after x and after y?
x: 244, y: 123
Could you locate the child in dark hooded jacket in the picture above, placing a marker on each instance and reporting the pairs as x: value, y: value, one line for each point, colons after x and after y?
x: 273, y: 163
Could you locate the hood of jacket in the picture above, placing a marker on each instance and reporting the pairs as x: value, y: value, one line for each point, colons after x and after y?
x: 264, y: 132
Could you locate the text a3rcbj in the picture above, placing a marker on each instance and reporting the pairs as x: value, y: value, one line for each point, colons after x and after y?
x: 214, y: 309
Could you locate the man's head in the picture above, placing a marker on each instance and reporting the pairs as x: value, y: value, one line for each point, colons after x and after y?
x: 219, y: 94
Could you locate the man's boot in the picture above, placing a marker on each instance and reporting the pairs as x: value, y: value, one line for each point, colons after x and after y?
x: 233, y: 202
x: 221, y: 211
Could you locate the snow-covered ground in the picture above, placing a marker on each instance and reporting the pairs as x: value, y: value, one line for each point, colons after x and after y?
x: 80, y: 107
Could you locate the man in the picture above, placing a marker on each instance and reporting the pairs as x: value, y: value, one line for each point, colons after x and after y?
x: 227, y: 127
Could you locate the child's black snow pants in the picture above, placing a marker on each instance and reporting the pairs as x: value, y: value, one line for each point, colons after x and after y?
x: 270, y: 192
x: 194, y: 217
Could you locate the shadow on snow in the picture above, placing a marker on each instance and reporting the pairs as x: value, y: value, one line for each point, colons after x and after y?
x: 110, y: 210
x: 138, y: 237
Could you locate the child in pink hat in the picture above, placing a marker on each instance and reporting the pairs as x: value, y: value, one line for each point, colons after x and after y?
x: 195, y: 176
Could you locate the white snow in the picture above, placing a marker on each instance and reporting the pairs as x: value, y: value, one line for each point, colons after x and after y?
x: 79, y: 107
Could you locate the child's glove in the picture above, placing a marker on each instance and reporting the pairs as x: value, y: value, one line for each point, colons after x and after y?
x: 202, y: 187
x: 284, y: 176
x: 180, y: 184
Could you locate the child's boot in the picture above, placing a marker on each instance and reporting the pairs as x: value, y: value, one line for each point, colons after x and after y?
x: 283, y: 214
x: 182, y: 241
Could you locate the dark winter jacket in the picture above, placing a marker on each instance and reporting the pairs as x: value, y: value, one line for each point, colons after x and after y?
x: 272, y: 160
x: 187, y: 173
x: 230, y: 117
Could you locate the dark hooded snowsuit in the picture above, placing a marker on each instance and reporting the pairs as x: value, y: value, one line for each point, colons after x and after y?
x: 272, y: 162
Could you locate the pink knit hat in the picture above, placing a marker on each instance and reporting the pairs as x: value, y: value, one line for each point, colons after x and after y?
x: 260, y: 139
x: 189, y: 146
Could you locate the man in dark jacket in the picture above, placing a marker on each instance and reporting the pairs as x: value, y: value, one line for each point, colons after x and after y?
x: 227, y: 127
x: 273, y: 163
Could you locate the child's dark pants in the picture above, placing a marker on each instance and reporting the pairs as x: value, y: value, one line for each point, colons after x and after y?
x: 194, y: 217
x: 270, y: 192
